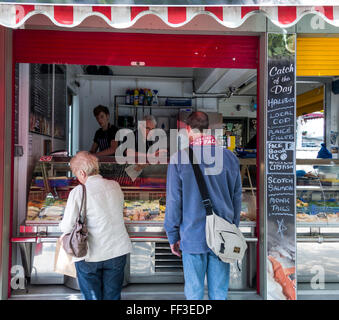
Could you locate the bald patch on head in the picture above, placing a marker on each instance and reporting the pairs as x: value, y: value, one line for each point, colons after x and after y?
x: 198, y: 120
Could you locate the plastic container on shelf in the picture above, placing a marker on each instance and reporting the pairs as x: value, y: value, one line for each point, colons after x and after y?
x: 141, y: 97
x: 128, y: 97
x: 148, y: 97
x: 184, y: 102
x: 136, y: 97
x: 131, y: 97
x: 155, y: 100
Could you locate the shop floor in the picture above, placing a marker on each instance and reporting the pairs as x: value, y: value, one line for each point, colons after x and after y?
x: 129, y: 292
x: 163, y: 292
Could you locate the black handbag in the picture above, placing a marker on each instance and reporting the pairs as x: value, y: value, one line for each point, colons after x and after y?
x: 75, y: 242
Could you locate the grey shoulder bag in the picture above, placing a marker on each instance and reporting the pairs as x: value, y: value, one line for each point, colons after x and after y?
x: 222, y: 237
x: 75, y: 242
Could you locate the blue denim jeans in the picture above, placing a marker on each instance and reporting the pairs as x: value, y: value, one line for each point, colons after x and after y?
x: 101, y: 280
x: 196, y: 266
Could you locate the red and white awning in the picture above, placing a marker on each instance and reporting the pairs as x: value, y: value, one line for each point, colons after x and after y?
x: 15, y: 15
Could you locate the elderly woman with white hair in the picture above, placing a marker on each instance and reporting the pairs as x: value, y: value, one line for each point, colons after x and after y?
x: 101, y: 272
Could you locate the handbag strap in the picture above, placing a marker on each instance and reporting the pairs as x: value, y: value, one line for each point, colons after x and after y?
x: 206, y: 201
x: 83, y: 204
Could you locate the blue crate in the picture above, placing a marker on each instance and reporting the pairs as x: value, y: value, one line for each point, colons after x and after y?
x: 53, y: 183
x: 246, y: 153
x: 303, y: 210
x: 317, y: 209
x: 178, y: 102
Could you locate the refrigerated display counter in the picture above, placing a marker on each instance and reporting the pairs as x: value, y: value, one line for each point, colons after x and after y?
x: 317, y: 220
x: 151, y: 259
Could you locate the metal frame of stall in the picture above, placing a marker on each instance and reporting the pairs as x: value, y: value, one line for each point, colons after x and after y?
x: 41, y: 234
x: 261, y: 269
x: 6, y: 153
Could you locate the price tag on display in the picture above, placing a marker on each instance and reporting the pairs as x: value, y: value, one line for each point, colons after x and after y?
x: 46, y: 159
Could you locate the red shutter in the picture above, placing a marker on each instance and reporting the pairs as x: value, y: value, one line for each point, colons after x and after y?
x: 165, y: 50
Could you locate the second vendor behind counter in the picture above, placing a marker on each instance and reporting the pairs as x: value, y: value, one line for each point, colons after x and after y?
x: 104, y: 139
x: 142, y: 145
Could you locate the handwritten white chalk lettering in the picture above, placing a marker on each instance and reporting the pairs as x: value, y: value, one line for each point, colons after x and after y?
x: 279, y: 200
x: 281, y: 138
x: 281, y: 114
x: 275, y: 71
x: 281, y: 214
x: 277, y: 208
x: 278, y: 166
x: 280, y: 131
x: 276, y: 151
x: 278, y: 188
x: 279, y: 145
x: 282, y: 120
x: 274, y: 156
x: 280, y: 180
x: 275, y: 145
x: 276, y: 101
x: 285, y: 79
x: 281, y: 89
x: 281, y: 227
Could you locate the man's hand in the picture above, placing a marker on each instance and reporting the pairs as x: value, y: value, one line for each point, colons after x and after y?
x: 175, y: 249
x: 94, y: 147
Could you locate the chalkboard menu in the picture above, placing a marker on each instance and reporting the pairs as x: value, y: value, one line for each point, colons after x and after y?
x: 42, y: 103
x: 280, y: 158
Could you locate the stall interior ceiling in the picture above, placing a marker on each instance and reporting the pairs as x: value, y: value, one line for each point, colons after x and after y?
x: 305, y: 86
x: 218, y: 81
x: 310, y: 95
x: 240, y: 82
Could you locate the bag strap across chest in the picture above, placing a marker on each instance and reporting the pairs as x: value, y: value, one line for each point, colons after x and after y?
x: 201, y: 183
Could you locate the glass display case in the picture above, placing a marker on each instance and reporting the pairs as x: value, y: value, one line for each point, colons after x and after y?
x: 248, y: 171
x: 52, y: 182
x: 151, y: 259
x: 317, y: 217
x: 317, y: 191
x: 145, y: 197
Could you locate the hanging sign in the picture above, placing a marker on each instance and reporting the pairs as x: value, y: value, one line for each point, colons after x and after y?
x: 280, y: 168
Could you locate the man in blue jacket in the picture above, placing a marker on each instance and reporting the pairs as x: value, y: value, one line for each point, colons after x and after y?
x: 185, y: 217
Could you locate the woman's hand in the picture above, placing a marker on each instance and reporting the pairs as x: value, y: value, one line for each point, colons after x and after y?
x: 175, y: 248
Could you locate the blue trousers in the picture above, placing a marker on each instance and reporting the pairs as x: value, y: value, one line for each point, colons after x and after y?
x: 196, y: 266
x: 101, y: 280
